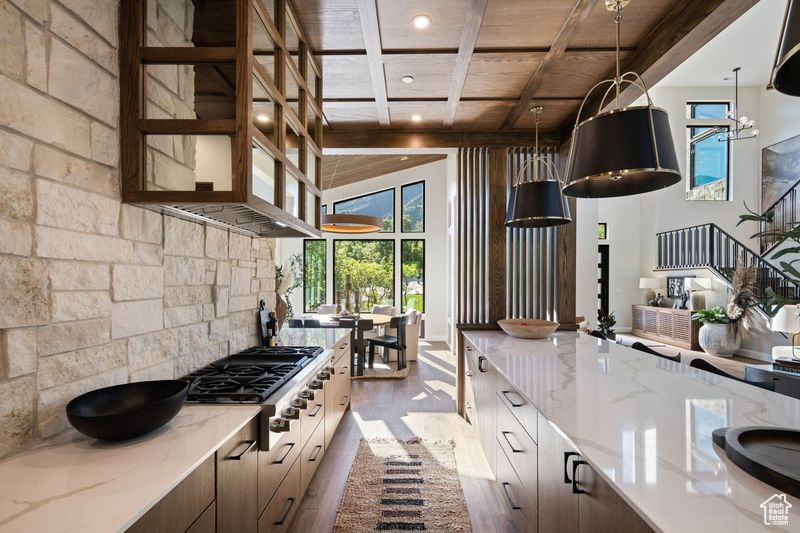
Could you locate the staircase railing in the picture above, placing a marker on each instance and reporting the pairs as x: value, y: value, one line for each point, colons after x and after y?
x: 709, y: 246
x: 785, y: 211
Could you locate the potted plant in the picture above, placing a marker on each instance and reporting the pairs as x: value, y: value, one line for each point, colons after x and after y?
x: 606, y: 323
x: 715, y: 336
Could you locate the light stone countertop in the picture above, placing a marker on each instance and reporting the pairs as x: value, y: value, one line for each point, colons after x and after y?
x: 90, y: 486
x: 645, y: 424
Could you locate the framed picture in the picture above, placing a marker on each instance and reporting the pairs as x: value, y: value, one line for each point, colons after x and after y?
x: 675, y: 286
x: 779, y: 163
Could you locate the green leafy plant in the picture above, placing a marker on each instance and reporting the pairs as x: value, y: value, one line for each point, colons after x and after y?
x: 606, y: 323
x: 770, y: 302
x: 288, y: 278
x: 715, y: 315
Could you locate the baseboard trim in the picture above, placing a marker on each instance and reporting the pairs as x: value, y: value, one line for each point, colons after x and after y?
x: 435, y: 338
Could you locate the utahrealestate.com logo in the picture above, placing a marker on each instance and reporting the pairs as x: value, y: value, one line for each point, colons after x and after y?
x: 776, y: 510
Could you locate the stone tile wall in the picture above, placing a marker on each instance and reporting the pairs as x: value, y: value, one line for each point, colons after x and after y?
x: 94, y: 292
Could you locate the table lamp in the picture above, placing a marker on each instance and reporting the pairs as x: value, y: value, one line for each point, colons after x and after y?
x: 697, y: 300
x: 651, y: 284
x: 786, y: 321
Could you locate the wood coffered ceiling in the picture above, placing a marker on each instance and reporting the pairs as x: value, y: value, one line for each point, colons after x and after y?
x: 338, y: 170
x: 481, y: 64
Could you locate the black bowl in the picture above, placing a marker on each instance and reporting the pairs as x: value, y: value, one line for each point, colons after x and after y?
x: 127, y: 411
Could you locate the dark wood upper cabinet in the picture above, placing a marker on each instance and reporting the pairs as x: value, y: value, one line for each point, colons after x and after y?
x: 221, y: 114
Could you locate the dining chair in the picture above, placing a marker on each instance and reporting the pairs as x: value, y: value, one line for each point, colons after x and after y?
x: 646, y: 349
x: 383, y: 310
x: 702, y: 364
x: 326, y: 309
x: 360, y: 349
x: 295, y: 323
x: 412, y: 334
x: 389, y: 342
x: 311, y: 323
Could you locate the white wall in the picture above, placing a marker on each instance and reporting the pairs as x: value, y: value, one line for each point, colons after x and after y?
x: 586, y: 219
x: 437, y: 275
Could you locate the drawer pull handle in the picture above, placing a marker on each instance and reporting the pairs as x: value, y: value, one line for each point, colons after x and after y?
x: 280, y: 461
x: 344, y: 370
x: 513, y: 505
x: 289, y: 504
x: 250, y: 445
x: 344, y: 401
x: 344, y: 345
x: 510, y: 445
x: 481, y: 366
x: 567, y: 455
x: 469, y: 373
x: 575, y: 465
x: 317, y: 450
x: 314, y: 413
x: 512, y: 402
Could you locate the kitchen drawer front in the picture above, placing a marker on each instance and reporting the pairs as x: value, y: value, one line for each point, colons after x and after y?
x: 520, y: 449
x: 515, y: 499
x: 342, y: 348
x: 335, y: 411
x: 237, y: 481
x: 471, y: 357
x: 183, y: 505
x: 274, y: 464
x: 207, y: 523
x: 311, y: 416
x: 522, y: 409
x: 283, y: 506
x: 469, y: 401
x: 311, y: 456
x: 342, y: 374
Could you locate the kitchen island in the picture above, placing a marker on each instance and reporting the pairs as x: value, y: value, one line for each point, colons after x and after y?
x: 74, y: 483
x: 643, y: 424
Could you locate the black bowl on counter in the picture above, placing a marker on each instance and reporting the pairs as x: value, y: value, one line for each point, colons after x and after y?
x: 127, y: 411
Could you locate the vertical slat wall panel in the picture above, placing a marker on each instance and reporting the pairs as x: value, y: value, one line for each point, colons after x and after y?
x: 472, y: 242
x: 531, y: 268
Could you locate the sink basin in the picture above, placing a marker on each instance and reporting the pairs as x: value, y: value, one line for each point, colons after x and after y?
x: 127, y: 411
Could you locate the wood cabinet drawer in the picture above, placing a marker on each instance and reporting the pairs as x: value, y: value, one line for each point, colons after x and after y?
x: 342, y: 348
x: 237, y: 481
x: 520, y: 449
x: 519, y: 506
x: 283, y: 506
x: 183, y: 505
x: 342, y: 373
x: 311, y: 456
x: 334, y: 413
x: 312, y: 415
x: 519, y: 407
x: 275, y: 464
x: 207, y: 523
x: 471, y: 357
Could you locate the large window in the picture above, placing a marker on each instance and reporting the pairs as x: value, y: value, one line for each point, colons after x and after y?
x: 370, y: 265
x: 412, y: 211
x: 379, y: 204
x: 412, y: 280
x: 708, y: 151
x: 314, y: 274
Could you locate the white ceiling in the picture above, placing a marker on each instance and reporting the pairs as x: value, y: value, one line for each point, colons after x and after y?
x: 750, y: 42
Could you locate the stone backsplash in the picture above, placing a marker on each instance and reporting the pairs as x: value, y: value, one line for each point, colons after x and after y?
x: 95, y: 292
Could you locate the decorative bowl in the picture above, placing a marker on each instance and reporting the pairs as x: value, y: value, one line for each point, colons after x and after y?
x: 127, y: 411
x: 527, y: 328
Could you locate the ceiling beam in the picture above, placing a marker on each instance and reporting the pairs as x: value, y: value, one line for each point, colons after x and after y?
x: 511, y: 50
x: 568, y: 30
x: 473, y: 18
x: 437, y: 99
x: 368, y: 13
x: 689, y: 26
x: 433, y: 139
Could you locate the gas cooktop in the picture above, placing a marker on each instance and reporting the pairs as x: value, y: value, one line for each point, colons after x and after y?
x: 250, y: 376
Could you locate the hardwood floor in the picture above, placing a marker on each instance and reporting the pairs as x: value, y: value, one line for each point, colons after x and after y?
x: 421, y: 405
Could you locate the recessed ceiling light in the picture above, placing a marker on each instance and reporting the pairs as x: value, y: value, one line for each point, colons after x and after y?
x: 421, y: 21
x: 262, y: 118
x: 416, y: 118
x: 407, y: 79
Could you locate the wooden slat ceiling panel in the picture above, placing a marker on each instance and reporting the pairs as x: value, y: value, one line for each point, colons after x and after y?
x: 481, y: 63
x: 331, y: 24
x: 523, y: 23
x: 398, y: 33
x: 338, y: 170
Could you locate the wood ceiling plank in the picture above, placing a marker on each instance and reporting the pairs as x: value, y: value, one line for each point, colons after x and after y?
x: 466, y: 46
x: 687, y: 27
x: 374, y: 138
x: 432, y: 75
x: 346, y: 77
x: 487, y: 116
x: 638, y: 18
x: 500, y: 75
x: 398, y: 31
x: 368, y: 13
x: 575, y: 73
x: 518, y: 23
x: 338, y: 170
x: 331, y: 24
x: 344, y: 115
x: 570, y: 27
x: 432, y: 114
x: 555, y: 112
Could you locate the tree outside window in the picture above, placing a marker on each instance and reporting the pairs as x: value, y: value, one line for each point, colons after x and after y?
x: 370, y: 264
x: 412, y: 282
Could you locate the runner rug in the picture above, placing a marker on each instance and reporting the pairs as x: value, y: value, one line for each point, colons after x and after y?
x: 403, y: 486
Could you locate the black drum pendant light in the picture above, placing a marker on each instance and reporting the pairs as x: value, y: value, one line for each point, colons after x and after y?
x: 537, y: 203
x: 625, y: 151
x: 786, y: 77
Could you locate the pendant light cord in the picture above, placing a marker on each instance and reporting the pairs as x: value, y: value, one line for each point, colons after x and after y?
x: 618, y: 23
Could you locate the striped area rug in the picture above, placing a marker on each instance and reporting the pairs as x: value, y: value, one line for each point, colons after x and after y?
x: 403, y: 486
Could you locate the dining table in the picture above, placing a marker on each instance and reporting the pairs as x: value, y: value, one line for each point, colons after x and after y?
x: 332, y: 321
